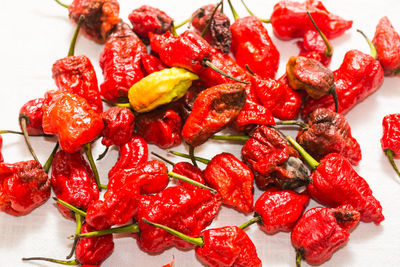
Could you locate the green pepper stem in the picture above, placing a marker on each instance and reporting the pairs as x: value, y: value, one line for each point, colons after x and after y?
x: 198, y: 241
x: 332, y: 91
x: 182, y: 23
x: 191, y: 155
x: 329, y: 49
x: 252, y: 14
x: 62, y: 4
x: 102, y: 155
x: 250, y: 70
x: 240, y: 138
x: 78, y: 219
x: 88, y: 150
x: 70, y: 262
x: 111, y: 103
x: 298, y: 258
x: 22, y: 121
x: 10, y: 132
x: 190, y: 181
x: 205, y: 30
x: 183, y: 155
x: 389, y: 153
x: 234, y: 13
x: 163, y: 158
x: 70, y: 207
x: 214, y: 68
x: 130, y: 228
x: 71, y: 50
x: 173, y: 29
x: 292, y: 122
x: 256, y: 219
x: 310, y: 160
x: 49, y: 161
x: 371, y: 46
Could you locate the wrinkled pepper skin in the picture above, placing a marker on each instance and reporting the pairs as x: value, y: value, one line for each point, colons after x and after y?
x: 188, y: 170
x: 329, y: 132
x: 273, y: 160
x: 391, y: 134
x: 118, y: 126
x: 24, y: 186
x: 100, y: 17
x: 232, y: 179
x: 72, y: 180
x: 252, y: 45
x: 335, y: 183
x: 120, y: 63
x: 72, y: 119
x: 147, y: 19
x: 218, y: 35
x: 322, y: 231
x: 151, y: 64
x: 227, y: 246
x: 313, y: 46
x: 359, y: 76
x: 131, y: 154
x: 251, y: 116
x: 188, y: 211
x: 213, y: 109
x: 33, y: 112
x: 279, y: 209
x: 160, y: 127
x: 93, y: 250
x: 387, y: 44
x: 289, y: 19
x: 276, y: 95
x: 76, y: 75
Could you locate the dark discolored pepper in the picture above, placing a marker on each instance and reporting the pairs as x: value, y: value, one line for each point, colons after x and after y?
x: 71, y: 118
x: 118, y: 126
x: 215, y: 25
x: 390, y: 141
x: 131, y: 154
x: 273, y: 160
x: 161, y: 127
x: 232, y: 179
x: 322, y: 231
x: 276, y: 95
x: 188, y: 170
x: 32, y: 111
x: 359, y: 76
x: 312, y: 76
x: 220, y: 247
x: 72, y: 180
x: 289, y: 19
x: 24, y: 186
x: 329, y: 132
x: 213, y: 109
x: 387, y: 43
x: 147, y: 19
x: 120, y: 62
x: 188, y: 211
x: 100, y: 17
x: 151, y: 64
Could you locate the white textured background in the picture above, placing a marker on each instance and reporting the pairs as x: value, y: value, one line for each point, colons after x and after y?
x: 34, y: 34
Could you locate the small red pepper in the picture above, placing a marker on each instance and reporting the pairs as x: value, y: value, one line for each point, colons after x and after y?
x: 118, y: 126
x: 151, y: 64
x: 32, y: 111
x: 24, y: 186
x: 188, y: 170
x: 322, y: 231
x: 390, y: 141
x: 387, y: 43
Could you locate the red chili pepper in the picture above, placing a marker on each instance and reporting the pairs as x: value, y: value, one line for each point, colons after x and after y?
x: 188, y: 170
x: 151, y: 64
x: 120, y: 62
x: 232, y: 179
x: 72, y: 180
x: 289, y: 19
x: 100, y: 17
x: 146, y: 19
x: 24, y: 186
x: 329, y: 132
x: 33, y: 113
x: 390, y: 141
x: 131, y: 154
x: 171, y: 264
x: 71, y: 118
x: 118, y: 126
x: 160, y: 127
x: 322, y: 231
x: 387, y: 43
x: 313, y: 46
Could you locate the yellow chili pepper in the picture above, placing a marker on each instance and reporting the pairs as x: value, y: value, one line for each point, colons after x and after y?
x: 160, y: 88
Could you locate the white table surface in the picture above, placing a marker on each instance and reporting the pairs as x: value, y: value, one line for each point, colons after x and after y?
x: 34, y: 34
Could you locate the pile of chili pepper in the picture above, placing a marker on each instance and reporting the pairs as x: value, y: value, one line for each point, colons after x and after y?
x: 167, y: 89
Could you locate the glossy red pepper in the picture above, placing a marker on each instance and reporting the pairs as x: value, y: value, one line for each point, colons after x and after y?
x: 289, y: 19
x: 313, y: 46
x: 151, y: 64
x: 322, y: 231
x: 24, y: 186
x: 71, y: 118
x: 120, y: 62
x: 188, y: 170
x: 390, y: 141
x: 251, y: 116
x: 72, y: 181
x: 118, y: 126
x: 387, y: 43
x: 32, y: 111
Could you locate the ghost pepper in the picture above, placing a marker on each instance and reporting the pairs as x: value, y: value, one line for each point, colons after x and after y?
x: 390, y: 141
x: 118, y: 126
